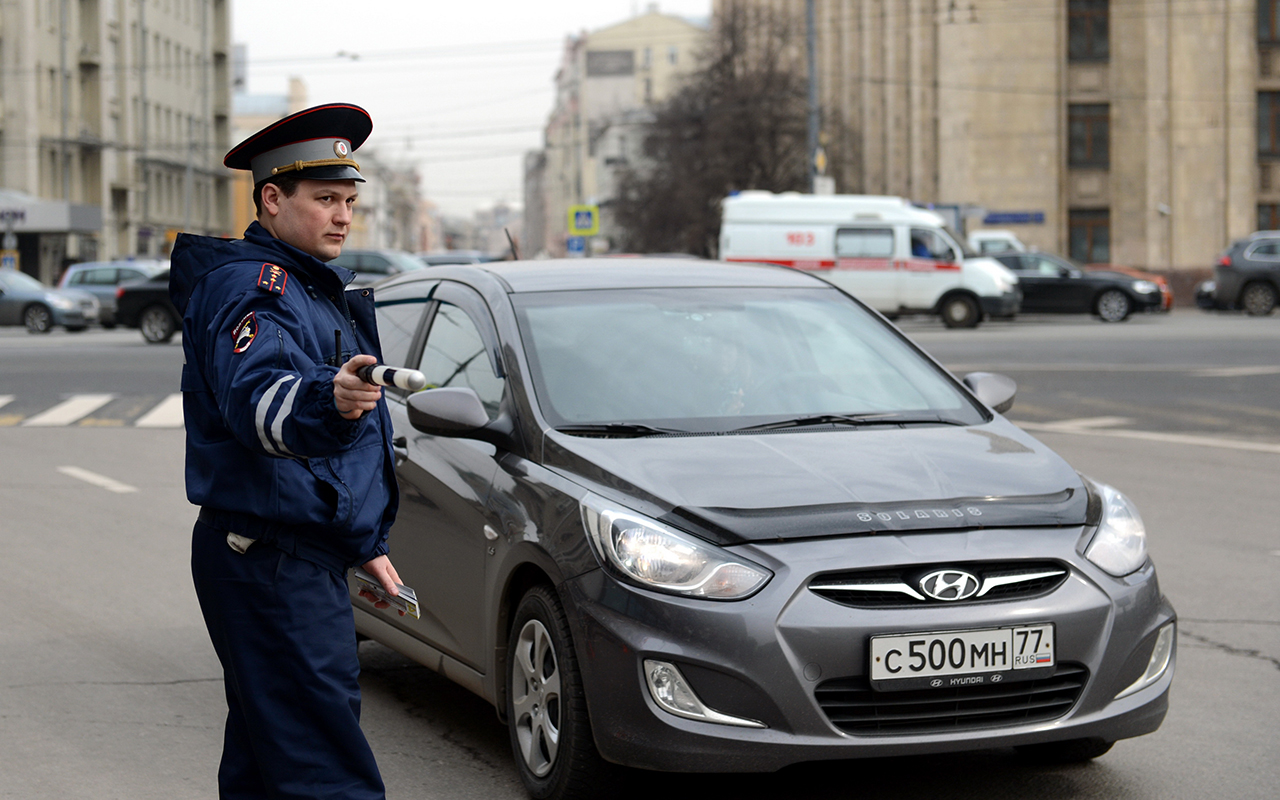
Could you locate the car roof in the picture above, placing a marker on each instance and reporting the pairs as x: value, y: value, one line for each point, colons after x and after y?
x: 621, y: 273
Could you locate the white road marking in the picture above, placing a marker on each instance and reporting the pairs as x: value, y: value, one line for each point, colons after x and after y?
x: 1236, y: 372
x: 98, y: 480
x: 1088, y: 423
x: 1153, y: 436
x: 168, y: 414
x: 5, y: 399
x: 69, y: 410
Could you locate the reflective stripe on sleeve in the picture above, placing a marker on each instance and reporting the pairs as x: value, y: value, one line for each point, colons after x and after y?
x: 286, y: 408
x: 264, y: 408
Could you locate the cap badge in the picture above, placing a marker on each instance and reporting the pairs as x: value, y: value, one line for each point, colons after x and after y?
x: 341, y: 149
x: 272, y: 279
x: 246, y: 330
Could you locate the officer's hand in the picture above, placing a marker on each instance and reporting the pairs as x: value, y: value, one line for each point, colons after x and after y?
x: 352, y: 395
x: 381, y: 569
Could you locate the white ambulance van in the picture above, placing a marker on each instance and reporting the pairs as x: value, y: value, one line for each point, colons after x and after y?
x: 891, y: 255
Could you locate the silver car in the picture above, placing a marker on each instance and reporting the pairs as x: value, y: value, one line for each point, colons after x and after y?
x: 26, y: 301
x: 698, y: 516
x: 100, y: 279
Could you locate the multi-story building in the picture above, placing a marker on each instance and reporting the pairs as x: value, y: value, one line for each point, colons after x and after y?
x: 116, y: 115
x: 1131, y: 131
x: 604, y: 78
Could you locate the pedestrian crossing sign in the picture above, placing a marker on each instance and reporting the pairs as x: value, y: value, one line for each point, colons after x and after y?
x: 584, y: 220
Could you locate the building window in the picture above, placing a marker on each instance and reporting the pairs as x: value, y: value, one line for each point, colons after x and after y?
x: 1269, y: 21
x: 1088, y: 135
x: 1269, y: 125
x: 1269, y: 217
x: 1090, y: 235
x: 673, y: 53
x: 1087, y: 36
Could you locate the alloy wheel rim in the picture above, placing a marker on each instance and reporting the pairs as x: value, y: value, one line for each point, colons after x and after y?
x: 535, y: 693
x: 1258, y: 300
x: 1112, y: 306
x: 38, y: 319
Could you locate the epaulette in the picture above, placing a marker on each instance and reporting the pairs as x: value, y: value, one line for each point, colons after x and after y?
x: 272, y: 279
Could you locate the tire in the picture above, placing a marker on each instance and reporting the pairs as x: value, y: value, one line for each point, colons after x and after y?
x: 960, y: 311
x: 1258, y: 299
x: 1113, y: 305
x: 156, y: 324
x: 38, y: 318
x: 1072, y: 751
x: 546, y: 706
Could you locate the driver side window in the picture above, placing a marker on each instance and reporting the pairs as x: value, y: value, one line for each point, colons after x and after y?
x: 455, y: 356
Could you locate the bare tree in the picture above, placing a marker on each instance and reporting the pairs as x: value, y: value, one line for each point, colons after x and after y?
x: 738, y: 123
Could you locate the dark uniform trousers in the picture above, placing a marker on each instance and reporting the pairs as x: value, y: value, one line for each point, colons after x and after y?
x: 284, y: 632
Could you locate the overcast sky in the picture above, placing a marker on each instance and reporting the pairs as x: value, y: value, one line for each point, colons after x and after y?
x: 461, y: 87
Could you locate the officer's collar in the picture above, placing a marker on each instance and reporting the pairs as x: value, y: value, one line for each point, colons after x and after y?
x: 292, y: 257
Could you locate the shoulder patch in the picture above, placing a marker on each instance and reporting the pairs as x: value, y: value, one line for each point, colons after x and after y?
x: 245, y: 332
x: 272, y: 279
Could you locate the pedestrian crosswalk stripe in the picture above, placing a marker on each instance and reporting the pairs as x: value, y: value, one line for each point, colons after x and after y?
x: 5, y: 399
x: 111, y: 485
x: 69, y: 410
x: 168, y: 414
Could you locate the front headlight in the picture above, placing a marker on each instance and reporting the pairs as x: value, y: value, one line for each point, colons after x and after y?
x: 1120, y: 544
x: 1145, y: 287
x: 658, y: 557
x: 58, y: 301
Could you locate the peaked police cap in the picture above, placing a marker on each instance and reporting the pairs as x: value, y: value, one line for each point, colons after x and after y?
x: 315, y: 143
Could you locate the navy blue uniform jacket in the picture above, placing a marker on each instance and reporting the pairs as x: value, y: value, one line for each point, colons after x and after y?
x: 268, y: 455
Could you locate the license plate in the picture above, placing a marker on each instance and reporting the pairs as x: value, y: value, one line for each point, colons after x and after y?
x: 948, y: 659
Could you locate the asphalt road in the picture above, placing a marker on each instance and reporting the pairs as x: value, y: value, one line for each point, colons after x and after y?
x: 109, y: 688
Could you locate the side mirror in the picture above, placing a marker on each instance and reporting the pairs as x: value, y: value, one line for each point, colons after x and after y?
x: 457, y: 412
x: 993, y: 389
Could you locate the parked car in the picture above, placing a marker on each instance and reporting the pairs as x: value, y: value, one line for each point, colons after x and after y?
x: 374, y: 265
x: 26, y: 301
x: 100, y: 278
x: 1052, y: 284
x: 699, y: 516
x: 1247, y: 274
x: 1166, y: 291
x: 145, y: 305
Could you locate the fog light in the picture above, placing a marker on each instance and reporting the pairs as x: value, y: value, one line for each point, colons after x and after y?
x: 673, y: 693
x: 1158, y: 662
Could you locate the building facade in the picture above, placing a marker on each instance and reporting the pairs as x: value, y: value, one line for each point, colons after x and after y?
x: 605, y: 78
x: 119, y: 110
x: 1137, y: 132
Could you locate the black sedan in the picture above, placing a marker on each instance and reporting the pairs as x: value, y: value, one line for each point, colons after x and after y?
x: 1247, y: 276
x: 145, y: 305
x: 1051, y: 284
x: 698, y: 516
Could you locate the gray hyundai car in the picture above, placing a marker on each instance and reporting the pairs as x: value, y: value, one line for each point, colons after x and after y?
x: 697, y: 516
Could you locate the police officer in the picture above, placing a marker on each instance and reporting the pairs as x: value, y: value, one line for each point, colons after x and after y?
x: 289, y: 458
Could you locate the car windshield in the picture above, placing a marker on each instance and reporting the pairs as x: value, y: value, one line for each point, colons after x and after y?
x: 713, y: 359
x: 404, y: 261
x: 21, y: 280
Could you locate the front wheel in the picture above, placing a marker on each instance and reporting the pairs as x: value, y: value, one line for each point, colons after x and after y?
x: 1258, y: 299
x: 38, y: 318
x: 156, y: 324
x: 960, y: 311
x: 546, y: 705
x: 1068, y: 752
x: 1114, y: 306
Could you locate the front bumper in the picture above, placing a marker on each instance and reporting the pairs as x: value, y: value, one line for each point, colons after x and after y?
x: 763, y: 658
x: 1004, y: 305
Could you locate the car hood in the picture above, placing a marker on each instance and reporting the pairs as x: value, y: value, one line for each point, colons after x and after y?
x: 802, y: 484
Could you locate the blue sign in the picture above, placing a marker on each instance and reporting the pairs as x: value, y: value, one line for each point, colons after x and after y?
x: 576, y: 245
x: 1014, y: 218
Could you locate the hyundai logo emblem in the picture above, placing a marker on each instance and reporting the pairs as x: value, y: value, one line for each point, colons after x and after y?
x: 949, y: 585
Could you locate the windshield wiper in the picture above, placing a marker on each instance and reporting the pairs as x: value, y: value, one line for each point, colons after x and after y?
x: 853, y: 420
x: 636, y: 429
